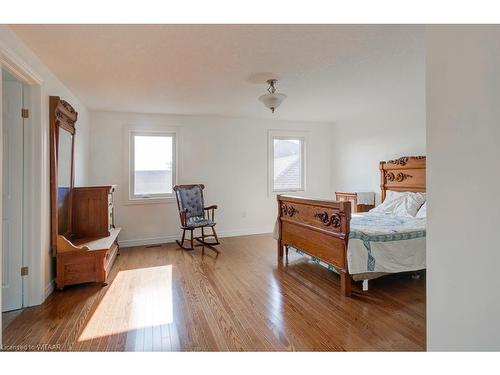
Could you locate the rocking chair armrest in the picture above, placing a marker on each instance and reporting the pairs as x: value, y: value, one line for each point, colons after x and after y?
x: 183, y: 215
x: 210, y: 212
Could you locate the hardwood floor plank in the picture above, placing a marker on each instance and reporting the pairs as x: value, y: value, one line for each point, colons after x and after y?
x: 166, y: 299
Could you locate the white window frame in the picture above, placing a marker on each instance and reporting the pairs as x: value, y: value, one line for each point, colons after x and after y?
x: 150, y: 198
x: 293, y: 135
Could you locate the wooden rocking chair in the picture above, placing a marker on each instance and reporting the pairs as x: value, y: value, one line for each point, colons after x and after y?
x: 194, y: 214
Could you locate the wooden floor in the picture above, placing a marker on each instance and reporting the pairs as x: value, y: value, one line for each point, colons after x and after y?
x: 163, y: 298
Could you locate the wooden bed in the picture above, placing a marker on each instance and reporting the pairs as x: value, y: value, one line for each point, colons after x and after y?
x: 320, y: 228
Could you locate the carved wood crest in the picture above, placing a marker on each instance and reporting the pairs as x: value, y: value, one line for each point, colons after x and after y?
x: 403, y: 160
x: 288, y: 210
x: 399, y: 177
x: 65, y: 116
x: 327, y: 220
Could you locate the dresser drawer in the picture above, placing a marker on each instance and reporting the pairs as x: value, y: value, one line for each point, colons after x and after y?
x: 110, y: 258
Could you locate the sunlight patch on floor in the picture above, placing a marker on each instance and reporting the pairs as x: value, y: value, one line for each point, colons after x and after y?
x: 136, y: 299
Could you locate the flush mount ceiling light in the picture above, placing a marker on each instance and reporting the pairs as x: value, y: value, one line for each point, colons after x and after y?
x: 273, y: 99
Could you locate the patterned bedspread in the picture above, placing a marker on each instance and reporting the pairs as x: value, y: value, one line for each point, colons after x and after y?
x: 386, y: 243
x: 374, y: 224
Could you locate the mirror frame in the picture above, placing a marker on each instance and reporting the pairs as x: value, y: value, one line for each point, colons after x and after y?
x: 61, y: 115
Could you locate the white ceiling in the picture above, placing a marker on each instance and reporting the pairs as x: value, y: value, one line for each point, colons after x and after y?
x: 327, y: 71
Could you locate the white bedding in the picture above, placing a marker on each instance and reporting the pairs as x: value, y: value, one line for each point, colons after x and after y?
x: 381, y: 243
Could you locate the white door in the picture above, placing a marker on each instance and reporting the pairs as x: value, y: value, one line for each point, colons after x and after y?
x: 12, y: 208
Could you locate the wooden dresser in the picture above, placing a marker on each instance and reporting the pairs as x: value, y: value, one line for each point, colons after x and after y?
x: 89, y: 251
x: 83, y: 236
x: 360, y: 201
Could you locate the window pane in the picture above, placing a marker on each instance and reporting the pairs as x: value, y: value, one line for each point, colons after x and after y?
x: 153, y: 164
x: 287, y: 164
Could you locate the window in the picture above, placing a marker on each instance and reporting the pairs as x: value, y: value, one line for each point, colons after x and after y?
x: 287, y: 164
x: 152, y: 165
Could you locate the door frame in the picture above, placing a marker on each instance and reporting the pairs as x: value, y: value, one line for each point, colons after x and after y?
x: 35, y: 195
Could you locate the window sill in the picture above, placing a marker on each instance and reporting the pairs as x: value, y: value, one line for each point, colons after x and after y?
x: 141, y: 201
x: 278, y: 192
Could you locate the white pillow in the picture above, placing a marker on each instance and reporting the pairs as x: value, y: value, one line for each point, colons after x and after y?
x: 401, y: 203
x: 422, y: 213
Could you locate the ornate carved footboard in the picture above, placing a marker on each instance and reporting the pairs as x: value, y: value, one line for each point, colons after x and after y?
x: 319, y: 228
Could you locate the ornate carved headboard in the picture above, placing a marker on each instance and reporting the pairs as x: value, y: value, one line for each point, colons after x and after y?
x: 404, y: 174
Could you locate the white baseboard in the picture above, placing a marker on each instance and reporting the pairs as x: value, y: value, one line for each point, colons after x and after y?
x: 172, y: 238
x: 49, y: 288
x: 243, y: 232
x: 147, y: 241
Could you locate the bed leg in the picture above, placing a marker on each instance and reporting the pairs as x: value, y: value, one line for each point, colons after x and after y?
x: 365, y: 285
x: 280, y: 251
x: 345, y: 284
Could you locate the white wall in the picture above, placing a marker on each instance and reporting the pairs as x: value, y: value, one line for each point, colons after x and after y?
x: 228, y: 155
x: 394, y: 127
x: 362, y: 141
x: 50, y: 86
x: 463, y: 135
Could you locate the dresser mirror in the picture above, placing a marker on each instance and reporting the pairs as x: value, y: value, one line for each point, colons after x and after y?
x: 62, y: 142
x: 64, y: 151
x: 64, y: 179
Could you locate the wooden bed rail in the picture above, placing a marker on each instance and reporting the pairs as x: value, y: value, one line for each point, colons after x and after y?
x: 319, y: 228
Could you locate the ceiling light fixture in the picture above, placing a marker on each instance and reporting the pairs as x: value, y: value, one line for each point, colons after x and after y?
x: 273, y: 99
